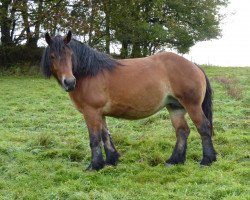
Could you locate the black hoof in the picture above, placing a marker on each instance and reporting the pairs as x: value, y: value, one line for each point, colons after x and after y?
x: 95, y: 166
x: 112, y: 159
x: 175, y: 160
x: 207, y: 160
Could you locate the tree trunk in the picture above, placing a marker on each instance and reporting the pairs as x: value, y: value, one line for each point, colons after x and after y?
x: 31, y: 40
x: 38, y: 22
x: 136, y: 51
x: 124, y: 49
x: 24, y: 12
x: 106, y: 6
x: 91, y: 23
x: 145, y: 51
x: 5, y: 23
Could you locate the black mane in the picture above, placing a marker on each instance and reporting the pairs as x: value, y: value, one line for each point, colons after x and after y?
x: 86, y: 61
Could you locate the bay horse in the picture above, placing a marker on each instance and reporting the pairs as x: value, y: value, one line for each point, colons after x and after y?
x: 101, y: 86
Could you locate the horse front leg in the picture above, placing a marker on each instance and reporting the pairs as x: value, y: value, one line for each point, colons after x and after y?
x: 112, y: 155
x: 93, y: 120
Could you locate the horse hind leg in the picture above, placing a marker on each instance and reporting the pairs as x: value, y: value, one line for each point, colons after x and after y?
x: 177, y: 115
x: 112, y: 156
x: 205, y: 130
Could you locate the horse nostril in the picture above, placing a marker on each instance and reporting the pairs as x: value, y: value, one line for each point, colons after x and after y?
x: 66, y: 82
x: 69, y: 82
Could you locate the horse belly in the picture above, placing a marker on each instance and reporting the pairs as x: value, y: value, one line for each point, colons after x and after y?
x: 128, y: 112
x: 137, y: 104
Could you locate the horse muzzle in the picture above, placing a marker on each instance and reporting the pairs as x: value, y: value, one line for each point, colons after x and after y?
x: 69, y: 84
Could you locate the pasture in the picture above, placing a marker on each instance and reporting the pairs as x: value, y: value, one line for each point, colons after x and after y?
x: 44, y: 147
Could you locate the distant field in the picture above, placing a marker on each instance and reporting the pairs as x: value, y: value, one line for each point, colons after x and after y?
x: 44, y: 147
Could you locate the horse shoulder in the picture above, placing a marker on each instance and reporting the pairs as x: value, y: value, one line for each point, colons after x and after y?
x: 89, y: 92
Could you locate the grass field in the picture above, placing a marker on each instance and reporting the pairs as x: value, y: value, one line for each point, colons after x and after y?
x: 44, y: 147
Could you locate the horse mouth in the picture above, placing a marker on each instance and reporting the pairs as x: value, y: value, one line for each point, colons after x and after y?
x: 69, y: 89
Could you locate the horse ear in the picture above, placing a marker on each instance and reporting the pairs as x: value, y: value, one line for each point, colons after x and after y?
x: 67, y: 38
x: 48, y: 38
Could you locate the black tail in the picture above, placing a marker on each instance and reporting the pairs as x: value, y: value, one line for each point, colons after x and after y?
x: 207, y: 104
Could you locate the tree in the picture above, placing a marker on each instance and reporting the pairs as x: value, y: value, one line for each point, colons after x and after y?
x: 7, y: 22
x: 151, y: 25
x: 141, y: 27
x: 30, y: 12
x: 22, y: 20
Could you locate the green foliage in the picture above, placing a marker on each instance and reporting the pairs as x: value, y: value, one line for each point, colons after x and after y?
x: 142, y: 27
x: 44, y: 148
x: 151, y: 25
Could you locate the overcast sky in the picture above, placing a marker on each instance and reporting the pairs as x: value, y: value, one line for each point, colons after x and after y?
x: 233, y: 49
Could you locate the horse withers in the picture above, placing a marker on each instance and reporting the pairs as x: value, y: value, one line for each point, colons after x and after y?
x: 101, y: 86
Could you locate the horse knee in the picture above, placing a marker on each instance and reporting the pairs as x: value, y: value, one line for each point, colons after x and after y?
x: 182, y: 133
x: 184, y: 130
x: 94, y: 140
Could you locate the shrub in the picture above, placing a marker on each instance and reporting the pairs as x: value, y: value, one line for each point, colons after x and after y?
x: 19, y: 55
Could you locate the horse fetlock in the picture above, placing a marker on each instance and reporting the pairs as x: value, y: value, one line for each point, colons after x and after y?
x: 96, y: 165
x: 208, y: 159
x: 176, y: 159
x: 112, y: 158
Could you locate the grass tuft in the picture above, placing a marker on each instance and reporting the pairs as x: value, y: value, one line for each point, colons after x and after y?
x: 45, y: 140
x: 232, y: 86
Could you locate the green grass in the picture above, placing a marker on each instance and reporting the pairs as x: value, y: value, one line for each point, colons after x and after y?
x: 44, y: 147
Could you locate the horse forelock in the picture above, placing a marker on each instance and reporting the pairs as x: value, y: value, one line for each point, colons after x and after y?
x: 46, y: 63
x: 56, y: 45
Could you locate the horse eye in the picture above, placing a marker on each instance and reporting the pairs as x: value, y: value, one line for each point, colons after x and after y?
x: 52, y: 56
